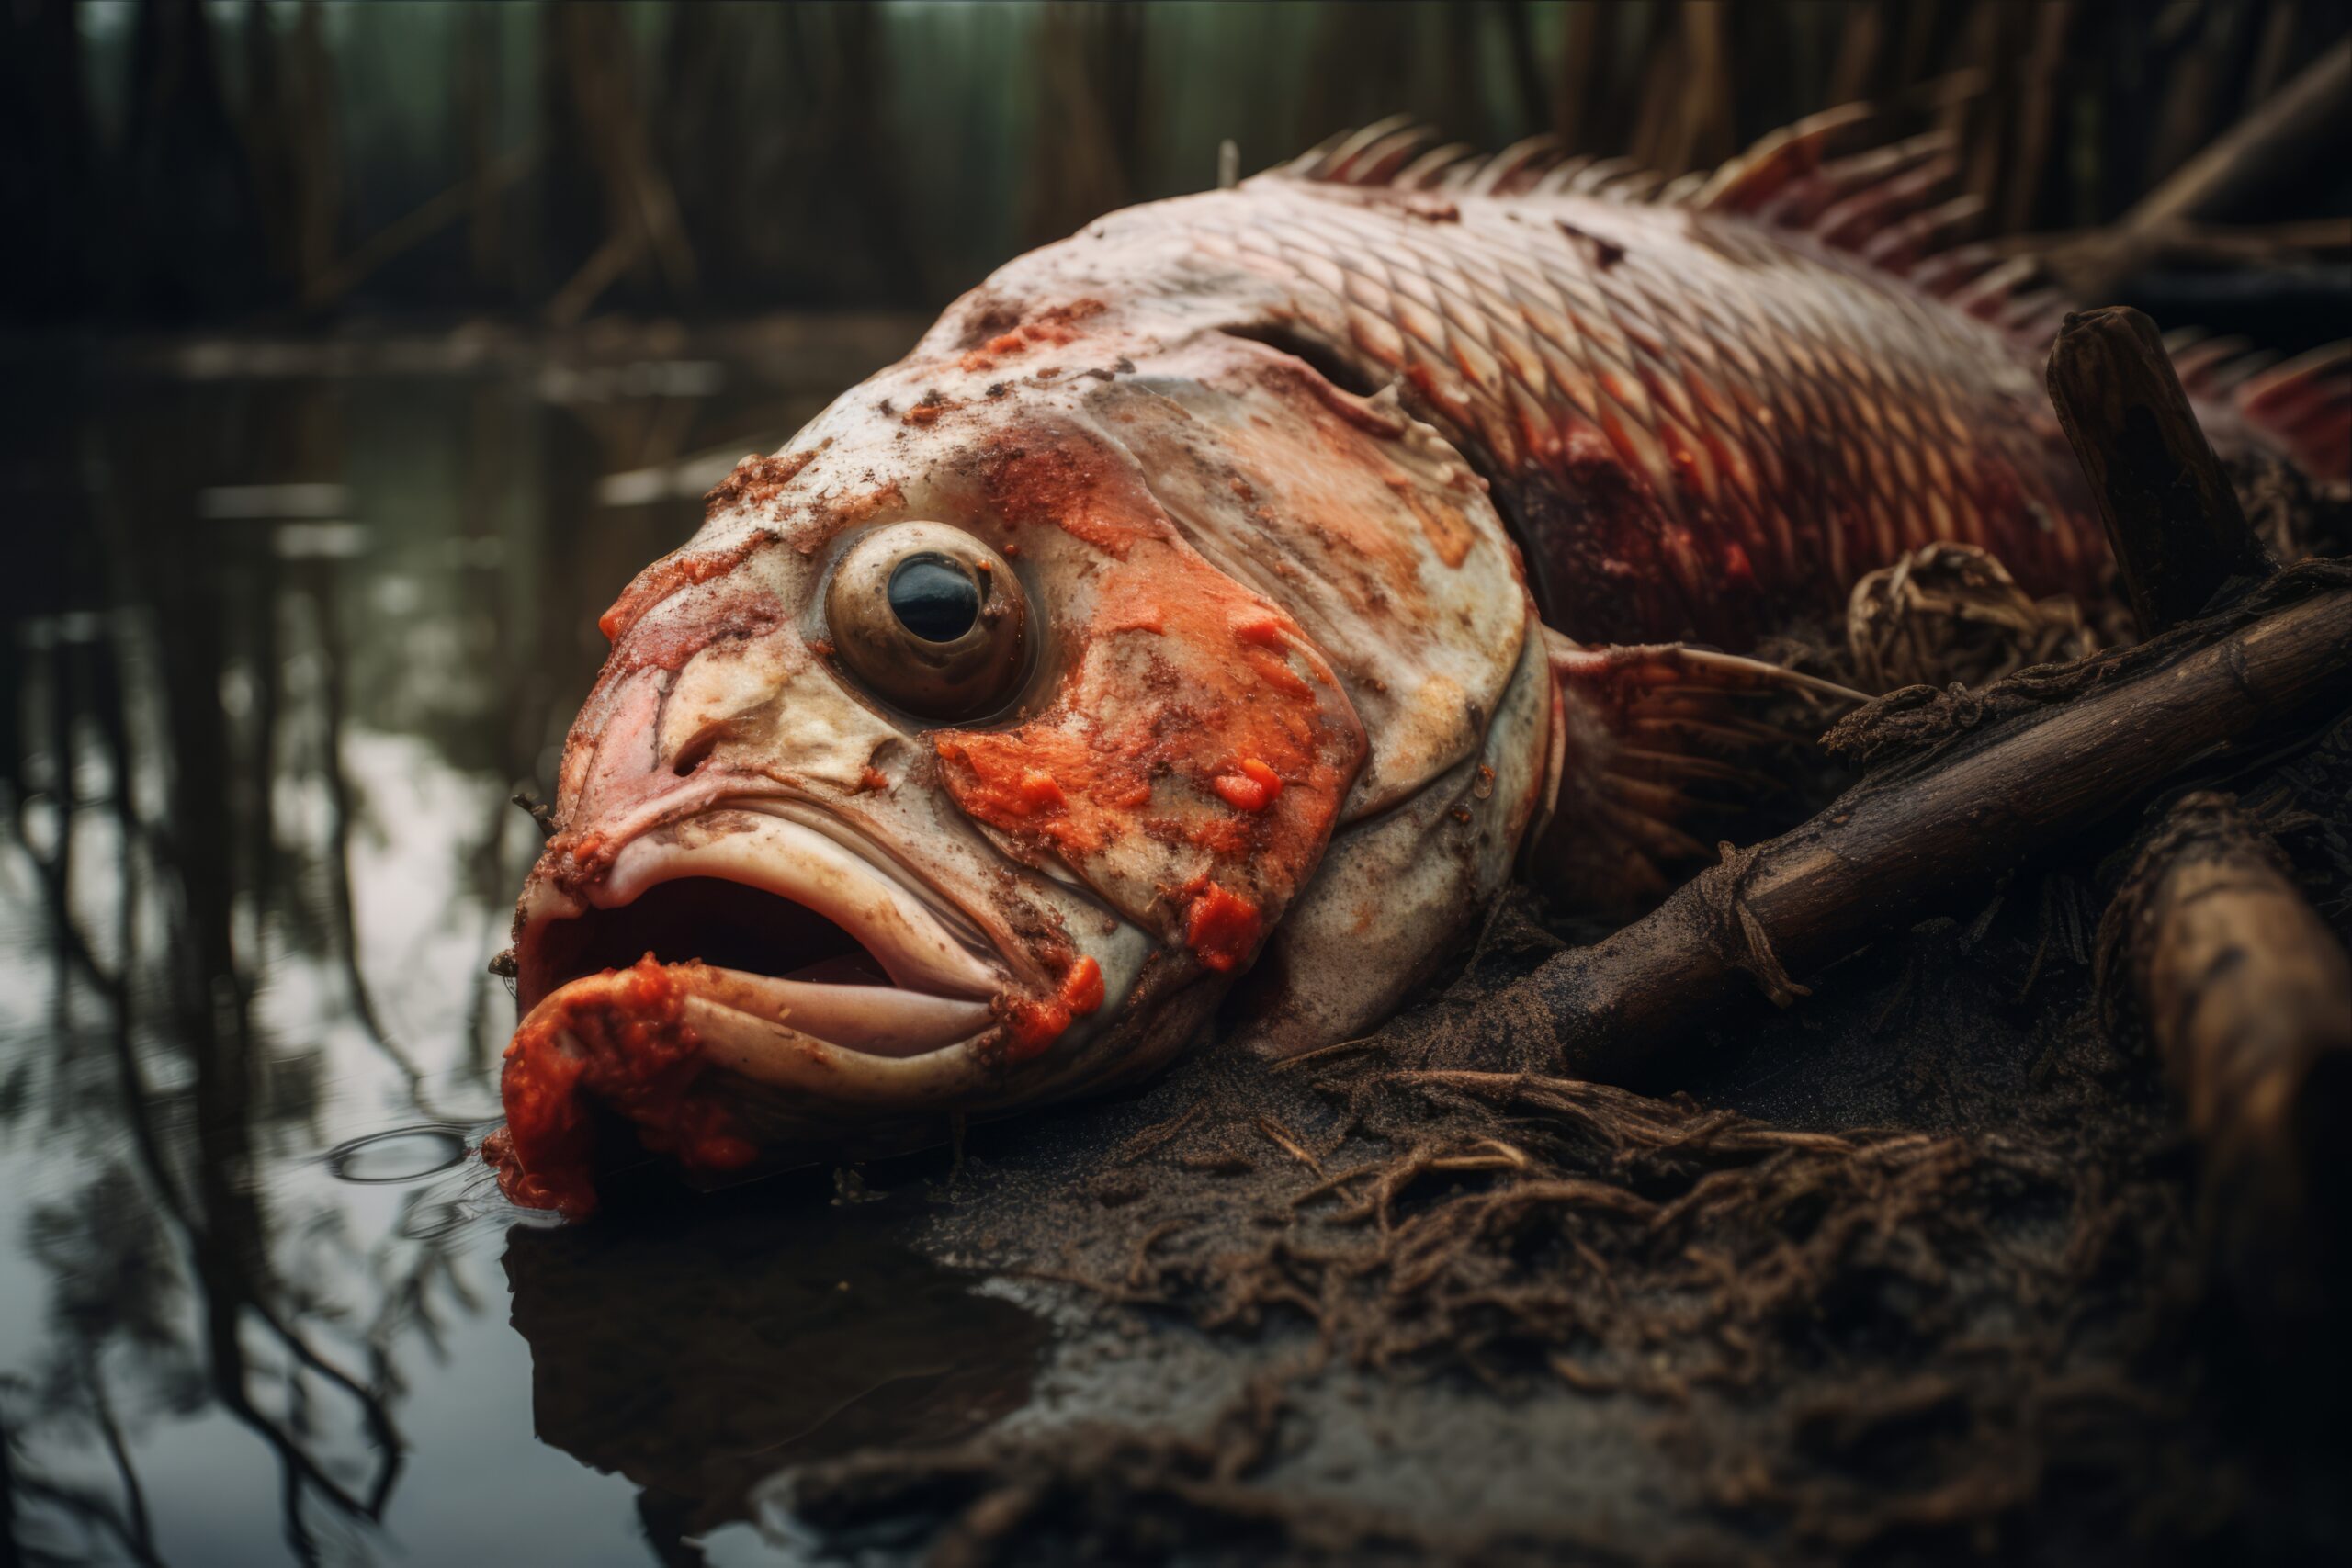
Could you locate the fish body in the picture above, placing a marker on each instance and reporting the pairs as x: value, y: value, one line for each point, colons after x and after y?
x: 1201, y: 598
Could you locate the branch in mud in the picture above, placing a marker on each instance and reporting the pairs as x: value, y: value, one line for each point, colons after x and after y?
x: 1962, y: 787
x: 2211, y: 953
x: 2171, y: 513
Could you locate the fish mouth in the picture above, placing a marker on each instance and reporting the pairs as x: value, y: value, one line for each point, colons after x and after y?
x: 752, y: 982
x: 790, y: 939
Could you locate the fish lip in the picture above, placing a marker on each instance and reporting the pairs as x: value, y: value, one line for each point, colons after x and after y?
x: 973, y: 927
x: 942, y: 966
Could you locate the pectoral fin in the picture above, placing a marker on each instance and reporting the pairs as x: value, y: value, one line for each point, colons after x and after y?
x: 1654, y: 746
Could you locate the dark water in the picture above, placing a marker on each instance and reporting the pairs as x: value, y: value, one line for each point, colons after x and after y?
x: 285, y: 627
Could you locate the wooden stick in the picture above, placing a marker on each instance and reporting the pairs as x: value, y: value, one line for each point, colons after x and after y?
x: 2210, y: 951
x: 2296, y: 241
x: 2279, y: 135
x: 417, y: 225
x: 1963, y: 787
x: 2275, y: 135
x: 2171, y: 514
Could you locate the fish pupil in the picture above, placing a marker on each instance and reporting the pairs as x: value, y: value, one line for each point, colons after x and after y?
x: 933, y: 597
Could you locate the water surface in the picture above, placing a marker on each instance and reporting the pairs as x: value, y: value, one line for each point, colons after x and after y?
x: 287, y: 624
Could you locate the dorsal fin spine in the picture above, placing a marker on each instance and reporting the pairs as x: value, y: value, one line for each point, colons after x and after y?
x: 1892, y: 206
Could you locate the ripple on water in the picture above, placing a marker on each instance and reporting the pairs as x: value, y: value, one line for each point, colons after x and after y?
x: 404, y: 1154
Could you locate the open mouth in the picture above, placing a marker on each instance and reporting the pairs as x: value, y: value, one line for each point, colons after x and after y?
x: 778, y: 949
x: 761, y: 954
x: 799, y: 934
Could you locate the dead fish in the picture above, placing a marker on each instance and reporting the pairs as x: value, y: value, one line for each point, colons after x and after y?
x: 1240, y: 587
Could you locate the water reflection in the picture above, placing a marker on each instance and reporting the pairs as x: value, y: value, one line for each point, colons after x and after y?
x: 279, y: 649
x: 698, y: 1351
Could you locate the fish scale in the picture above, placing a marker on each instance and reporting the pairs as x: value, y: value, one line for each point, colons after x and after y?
x: 1696, y: 347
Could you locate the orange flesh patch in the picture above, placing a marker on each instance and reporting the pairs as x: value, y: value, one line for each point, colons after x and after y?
x: 1275, y: 672
x: 576, y: 859
x: 1051, y: 326
x: 1448, y: 532
x: 626, y: 1041
x: 1077, y: 782
x: 1197, y: 732
x: 1252, y: 786
x: 1222, y: 928
x: 731, y: 612
x: 670, y: 575
x: 756, y: 480
x: 1257, y: 631
x: 1035, y: 1025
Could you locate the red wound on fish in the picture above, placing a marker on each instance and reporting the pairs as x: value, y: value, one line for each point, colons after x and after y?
x: 1250, y: 785
x: 1195, y: 736
x: 1006, y: 345
x: 1259, y: 631
x: 673, y: 574
x: 622, y: 1037
x: 1222, y: 928
x: 1032, y: 1026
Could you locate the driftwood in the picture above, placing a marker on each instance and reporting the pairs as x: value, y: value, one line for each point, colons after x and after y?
x: 2211, y: 953
x: 1963, y: 787
x: 2208, y: 947
x: 2171, y: 515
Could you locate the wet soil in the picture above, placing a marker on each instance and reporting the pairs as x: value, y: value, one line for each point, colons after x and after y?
x: 1913, y: 1274
x: 1915, y: 1269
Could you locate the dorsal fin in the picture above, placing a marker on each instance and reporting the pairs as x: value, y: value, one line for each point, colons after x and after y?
x: 1894, y: 204
x: 1791, y: 163
x: 1902, y: 246
x: 1517, y: 167
x: 1801, y: 201
x: 1891, y: 202
x: 1918, y: 183
x: 1402, y: 154
x: 1430, y: 168
x: 1380, y: 162
x: 2301, y: 406
x: 1334, y: 157
x: 1748, y: 181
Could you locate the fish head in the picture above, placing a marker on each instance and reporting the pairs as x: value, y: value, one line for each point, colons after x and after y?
x: 937, y: 776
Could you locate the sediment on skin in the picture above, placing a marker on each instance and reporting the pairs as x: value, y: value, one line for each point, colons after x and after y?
x: 623, y: 1038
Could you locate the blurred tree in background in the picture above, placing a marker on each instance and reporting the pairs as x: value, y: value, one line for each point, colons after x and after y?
x: 283, y: 160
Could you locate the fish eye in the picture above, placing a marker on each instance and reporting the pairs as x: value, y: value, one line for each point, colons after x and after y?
x: 930, y: 619
x: 933, y: 597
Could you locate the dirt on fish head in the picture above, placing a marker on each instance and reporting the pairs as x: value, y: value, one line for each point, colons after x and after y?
x: 939, y: 773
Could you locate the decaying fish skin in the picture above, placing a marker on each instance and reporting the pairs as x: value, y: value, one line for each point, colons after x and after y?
x: 1190, y: 572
